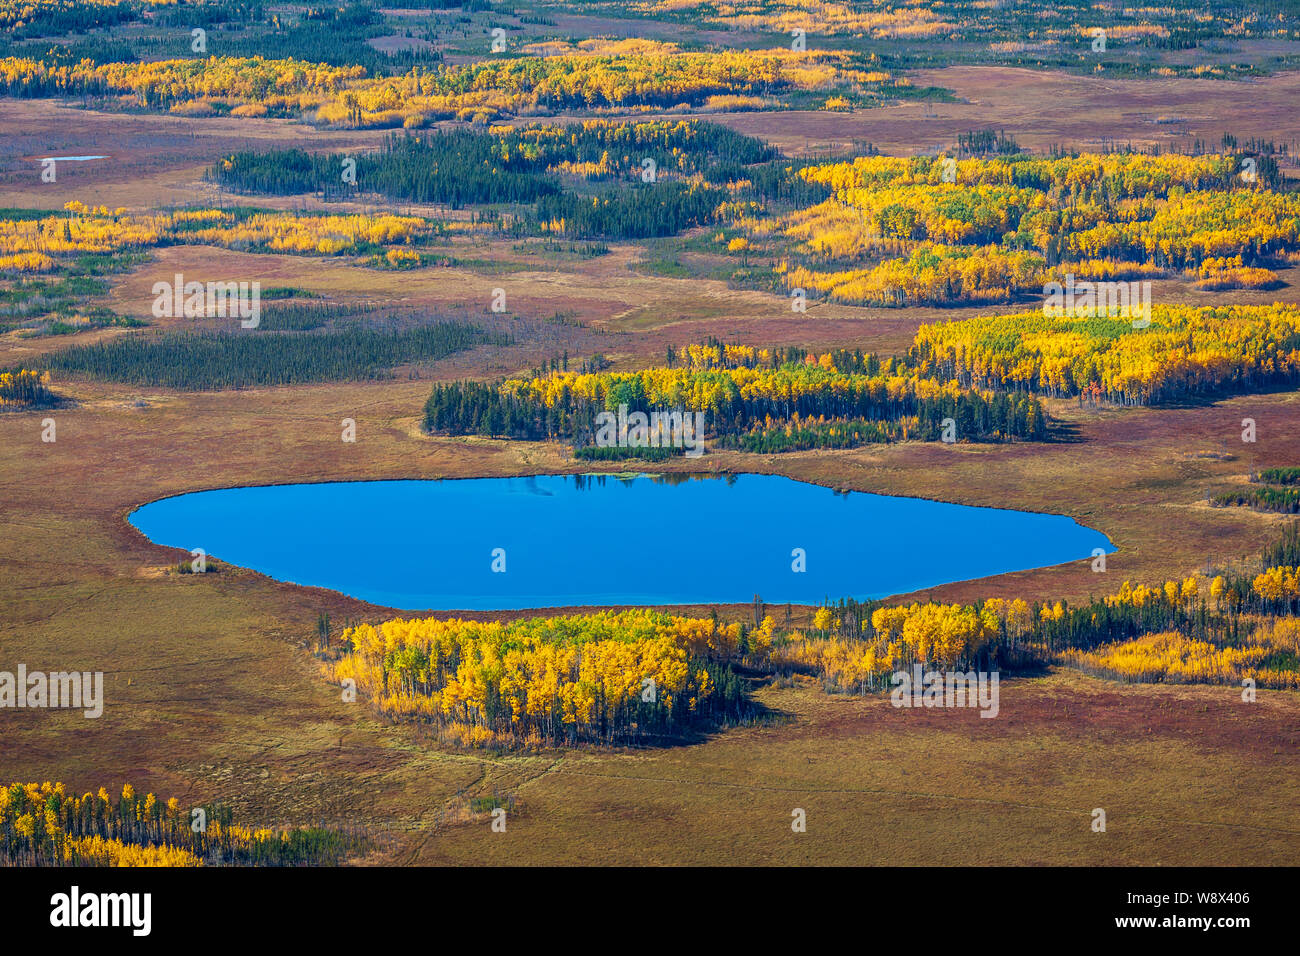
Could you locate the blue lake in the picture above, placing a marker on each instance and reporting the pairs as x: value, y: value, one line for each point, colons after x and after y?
x: 585, y: 540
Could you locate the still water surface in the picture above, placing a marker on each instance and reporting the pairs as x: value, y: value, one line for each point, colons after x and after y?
x: 580, y: 540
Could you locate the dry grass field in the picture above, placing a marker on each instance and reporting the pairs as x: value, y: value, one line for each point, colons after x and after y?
x: 1046, y: 109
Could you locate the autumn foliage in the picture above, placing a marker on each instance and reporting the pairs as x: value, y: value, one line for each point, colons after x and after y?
x: 1184, y: 351
x: 42, y: 244
x: 587, y: 78
x: 44, y: 825
x: 899, y: 231
x: 25, y: 388
x: 607, y: 677
x: 754, y: 398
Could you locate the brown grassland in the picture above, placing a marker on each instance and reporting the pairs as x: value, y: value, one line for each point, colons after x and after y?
x: 212, y: 692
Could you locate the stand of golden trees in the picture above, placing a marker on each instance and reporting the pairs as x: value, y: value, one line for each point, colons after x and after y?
x: 1201, y: 629
x: 44, y: 825
x: 24, y: 389
x: 1185, y: 350
x: 1171, y: 657
x: 1198, y: 630
x: 312, y: 235
x: 888, y: 639
x: 929, y: 273
x: 1229, y: 273
x: 899, y: 231
x: 347, y: 96
x: 39, y: 245
x: 748, y: 405
x: 607, y: 677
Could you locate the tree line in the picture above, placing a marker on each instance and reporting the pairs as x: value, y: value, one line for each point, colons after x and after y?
x: 44, y: 825
x: 209, y: 360
x: 747, y: 403
x: 611, y: 678
x: 463, y: 167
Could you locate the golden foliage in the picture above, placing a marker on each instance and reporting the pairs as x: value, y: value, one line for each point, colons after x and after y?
x: 594, y: 75
x: 941, y: 635
x: 1185, y: 349
x: 32, y: 245
x: 1278, y: 585
x: 318, y: 235
x: 42, y: 824
x: 1229, y: 273
x: 23, y: 388
x: 551, y: 679
x: 1170, y: 656
x: 948, y: 230
x: 96, y: 851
